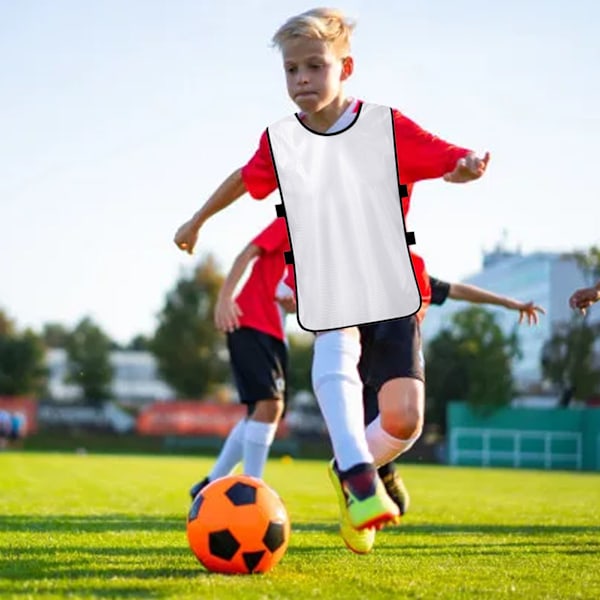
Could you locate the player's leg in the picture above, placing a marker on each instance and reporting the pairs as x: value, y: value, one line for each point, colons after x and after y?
x: 267, y: 381
x: 393, y: 369
x: 252, y: 360
x: 337, y: 386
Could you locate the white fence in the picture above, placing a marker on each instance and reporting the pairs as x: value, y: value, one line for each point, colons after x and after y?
x: 519, y: 448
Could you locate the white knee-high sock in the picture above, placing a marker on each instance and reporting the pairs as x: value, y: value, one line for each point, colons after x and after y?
x: 258, y: 438
x: 231, y: 453
x: 383, y: 446
x: 338, y: 389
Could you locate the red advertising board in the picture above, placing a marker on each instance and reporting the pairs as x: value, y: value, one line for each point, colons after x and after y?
x: 192, y: 418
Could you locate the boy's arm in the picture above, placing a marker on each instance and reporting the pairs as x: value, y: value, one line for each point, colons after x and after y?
x: 227, y: 312
x: 422, y: 155
x: 229, y: 191
x: 476, y: 295
x: 584, y: 298
x: 257, y: 178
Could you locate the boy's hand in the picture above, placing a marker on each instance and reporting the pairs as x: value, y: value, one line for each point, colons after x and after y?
x: 187, y: 236
x: 529, y: 311
x: 468, y: 168
x: 227, y: 314
x: 582, y: 299
x: 288, y: 303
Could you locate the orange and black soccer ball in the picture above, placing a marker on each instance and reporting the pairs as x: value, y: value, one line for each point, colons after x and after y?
x: 238, y: 524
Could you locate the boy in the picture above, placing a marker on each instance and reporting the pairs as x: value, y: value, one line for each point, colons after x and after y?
x: 315, y: 49
x: 582, y: 299
x: 258, y: 353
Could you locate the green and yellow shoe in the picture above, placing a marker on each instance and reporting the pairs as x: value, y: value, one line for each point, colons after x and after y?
x: 359, y: 541
x: 364, y: 505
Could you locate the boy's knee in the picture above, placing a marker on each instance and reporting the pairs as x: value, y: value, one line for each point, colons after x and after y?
x: 402, y: 408
x: 267, y: 411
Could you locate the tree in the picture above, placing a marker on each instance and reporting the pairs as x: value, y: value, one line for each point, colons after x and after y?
x: 569, y: 360
x: 55, y: 335
x: 140, y: 343
x: 22, y: 368
x: 189, y: 350
x: 299, y: 363
x: 88, y: 361
x: 470, y: 361
x: 589, y: 262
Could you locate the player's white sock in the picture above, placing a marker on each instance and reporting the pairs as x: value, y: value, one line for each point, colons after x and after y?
x: 338, y: 389
x: 258, y: 438
x: 231, y: 453
x: 383, y: 446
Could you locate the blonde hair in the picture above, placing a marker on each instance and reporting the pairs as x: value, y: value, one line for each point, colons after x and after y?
x: 327, y: 24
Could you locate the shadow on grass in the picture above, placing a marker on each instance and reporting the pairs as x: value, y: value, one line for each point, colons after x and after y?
x: 89, y: 523
x: 456, y: 529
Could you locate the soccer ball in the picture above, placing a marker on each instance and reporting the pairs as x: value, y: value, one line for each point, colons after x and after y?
x: 238, y: 524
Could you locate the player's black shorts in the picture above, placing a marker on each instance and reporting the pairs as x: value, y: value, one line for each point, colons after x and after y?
x: 391, y: 349
x: 259, y: 365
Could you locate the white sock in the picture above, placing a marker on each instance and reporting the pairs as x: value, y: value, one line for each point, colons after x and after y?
x: 338, y: 389
x: 258, y: 438
x: 231, y: 453
x: 383, y: 446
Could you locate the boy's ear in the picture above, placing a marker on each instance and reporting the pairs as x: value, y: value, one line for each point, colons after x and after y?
x: 347, y: 67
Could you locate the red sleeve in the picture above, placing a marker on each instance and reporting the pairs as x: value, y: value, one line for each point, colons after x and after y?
x: 420, y: 154
x: 274, y: 237
x: 259, y: 173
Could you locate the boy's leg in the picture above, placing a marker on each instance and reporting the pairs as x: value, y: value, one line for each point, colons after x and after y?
x: 337, y: 386
x: 258, y: 368
x: 259, y: 362
x: 392, y: 365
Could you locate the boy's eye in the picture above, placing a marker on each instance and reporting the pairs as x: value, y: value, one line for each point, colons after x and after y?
x: 291, y: 69
x: 315, y: 66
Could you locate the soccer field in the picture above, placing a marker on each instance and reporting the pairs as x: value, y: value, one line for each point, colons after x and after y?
x: 92, y: 526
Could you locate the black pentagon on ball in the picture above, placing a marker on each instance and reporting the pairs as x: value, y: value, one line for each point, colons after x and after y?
x: 222, y: 544
x: 241, y: 494
x: 195, y: 508
x: 251, y: 559
x: 274, y: 536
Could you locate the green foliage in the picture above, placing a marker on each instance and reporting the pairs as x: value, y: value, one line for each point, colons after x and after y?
x: 88, y: 361
x: 55, y: 335
x: 190, y: 352
x: 22, y: 369
x: 140, y: 343
x: 299, y: 362
x: 470, y: 361
x: 569, y: 360
x: 589, y: 262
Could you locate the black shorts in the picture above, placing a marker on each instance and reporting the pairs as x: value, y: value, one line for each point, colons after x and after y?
x: 389, y: 350
x: 259, y: 365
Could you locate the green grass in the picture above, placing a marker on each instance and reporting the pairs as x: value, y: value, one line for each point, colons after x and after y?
x: 94, y: 526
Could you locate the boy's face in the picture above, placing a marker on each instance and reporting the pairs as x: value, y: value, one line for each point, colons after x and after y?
x: 314, y: 73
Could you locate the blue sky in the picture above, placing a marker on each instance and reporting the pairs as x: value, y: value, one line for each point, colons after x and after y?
x: 118, y: 119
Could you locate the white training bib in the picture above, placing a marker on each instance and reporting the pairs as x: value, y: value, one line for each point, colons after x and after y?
x: 342, y: 202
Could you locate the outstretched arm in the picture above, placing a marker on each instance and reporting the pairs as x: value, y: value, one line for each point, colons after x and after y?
x: 227, y: 312
x: 229, y: 191
x: 476, y: 295
x: 582, y: 299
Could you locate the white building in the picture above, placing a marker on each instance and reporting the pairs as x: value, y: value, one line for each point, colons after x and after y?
x: 546, y: 278
x: 136, y: 379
